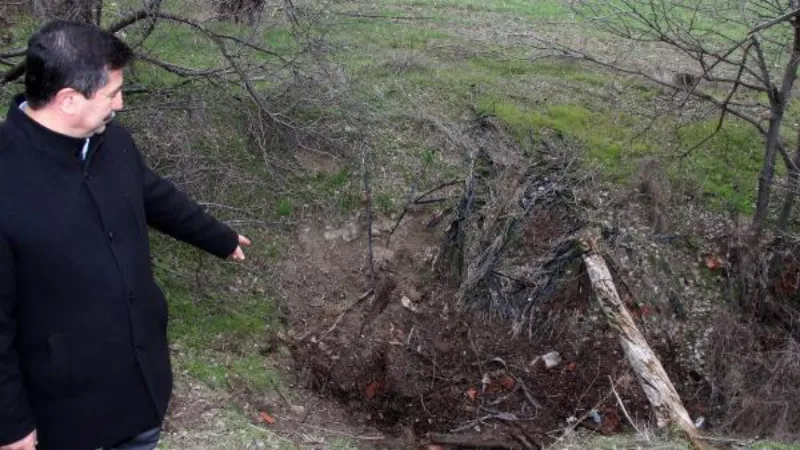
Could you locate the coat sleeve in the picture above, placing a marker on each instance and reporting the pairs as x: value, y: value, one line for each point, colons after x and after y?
x: 172, y: 212
x: 16, y: 417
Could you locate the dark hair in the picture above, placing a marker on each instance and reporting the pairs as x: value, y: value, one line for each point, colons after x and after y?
x: 73, y: 55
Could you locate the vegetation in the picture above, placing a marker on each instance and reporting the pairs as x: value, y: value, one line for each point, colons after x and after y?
x: 227, y: 122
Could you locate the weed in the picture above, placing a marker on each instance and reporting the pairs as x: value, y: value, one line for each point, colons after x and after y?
x: 284, y: 207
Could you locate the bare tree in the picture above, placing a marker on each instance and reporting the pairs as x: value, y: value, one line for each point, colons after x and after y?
x: 741, y: 48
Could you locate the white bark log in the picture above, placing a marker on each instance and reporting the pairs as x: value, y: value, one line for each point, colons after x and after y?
x: 658, y: 388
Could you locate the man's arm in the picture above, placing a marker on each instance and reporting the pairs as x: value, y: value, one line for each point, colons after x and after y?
x: 16, y: 418
x: 173, y: 212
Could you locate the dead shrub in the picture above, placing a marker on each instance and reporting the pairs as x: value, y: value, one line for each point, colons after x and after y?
x: 403, y: 61
x: 239, y: 11
x: 764, y: 280
x: 755, y: 376
x: 654, y: 187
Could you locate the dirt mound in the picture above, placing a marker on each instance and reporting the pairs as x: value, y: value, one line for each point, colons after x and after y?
x: 415, y: 364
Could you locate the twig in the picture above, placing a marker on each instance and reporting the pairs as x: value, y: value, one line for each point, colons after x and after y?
x: 438, y: 188
x: 368, y: 195
x: 527, y: 392
x: 774, y: 21
x: 341, y: 433
x: 13, y: 53
x: 419, y: 201
x: 505, y: 417
x: 622, y: 406
x: 380, y: 16
x: 568, y: 430
x: 743, y: 443
x: 724, y: 108
x: 433, y: 200
x: 470, y: 441
x: 365, y: 296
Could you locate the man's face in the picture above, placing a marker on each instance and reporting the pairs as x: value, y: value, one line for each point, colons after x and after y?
x: 94, y: 113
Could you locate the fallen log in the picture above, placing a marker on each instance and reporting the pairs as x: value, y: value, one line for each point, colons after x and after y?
x: 667, y: 405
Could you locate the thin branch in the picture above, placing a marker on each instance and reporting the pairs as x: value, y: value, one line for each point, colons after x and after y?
x: 418, y: 201
x: 700, y: 95
x: 344, y: 313
x: 368, y: 195
x: 622, y: 406
x: 724, y: 108
x: 381, y: 16
x: 14, y: 53
x: 147, y: 13
x: 183, y: 71
x: 762, y: 64
x: 774, y: 22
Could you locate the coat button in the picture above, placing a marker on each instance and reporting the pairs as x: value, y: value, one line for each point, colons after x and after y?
x: 111, y: 236
x: 131, y: 297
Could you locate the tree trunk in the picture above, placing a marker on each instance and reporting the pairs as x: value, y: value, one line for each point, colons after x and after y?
x: 779, y: 101
x: 767, y: 174
x: 655, y: 382
x: 791, y: 193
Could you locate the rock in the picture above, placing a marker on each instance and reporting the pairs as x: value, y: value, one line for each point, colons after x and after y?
x: 382, y: 255
x: 348, y: 233
x: 551, y: 359
x: 408, y: 304
x: 298, y: 410
x: 700, y: 422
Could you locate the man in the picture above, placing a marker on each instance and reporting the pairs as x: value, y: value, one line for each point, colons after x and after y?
x: 84, y: 362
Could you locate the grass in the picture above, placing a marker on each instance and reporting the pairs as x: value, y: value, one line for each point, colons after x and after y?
x: 543, y: 9
x: 775, y: 446
x: 222, y: 319
x: 231, y: 431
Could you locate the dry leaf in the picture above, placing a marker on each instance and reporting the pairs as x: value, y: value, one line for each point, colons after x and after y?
x: 372, y: 389
x: 713, y: 263
x: 507, y: 382
x: 472, y: 393
x: 571, y: 366
x: 265, y: 417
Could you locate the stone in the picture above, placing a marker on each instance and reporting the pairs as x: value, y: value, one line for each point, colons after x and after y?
x: 551, y: 360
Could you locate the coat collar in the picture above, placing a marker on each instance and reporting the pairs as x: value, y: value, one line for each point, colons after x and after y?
x: 56, y: 144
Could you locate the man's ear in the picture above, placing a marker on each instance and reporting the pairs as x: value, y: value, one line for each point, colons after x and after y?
x: 67, y: 101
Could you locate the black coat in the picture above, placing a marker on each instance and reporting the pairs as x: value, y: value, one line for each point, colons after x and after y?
x: 83, y: 344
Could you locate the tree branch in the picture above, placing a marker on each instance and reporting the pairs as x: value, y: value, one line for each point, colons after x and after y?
x: 147, y: 13
x: 774, y: 22
x: 183, y: 71
x: 565, y: 51
x: 13, y: 53
x: 724, y: 108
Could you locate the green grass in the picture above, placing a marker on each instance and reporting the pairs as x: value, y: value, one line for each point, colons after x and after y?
x: 726, y: 166
x: 775, y: 446
x: 384, y: 35
x: 220, y: 332
x: 530, y: 96
x: 541, y: 9
x: 232, y: 430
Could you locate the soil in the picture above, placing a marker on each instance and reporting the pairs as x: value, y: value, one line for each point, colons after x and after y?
x: 410, y: 361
